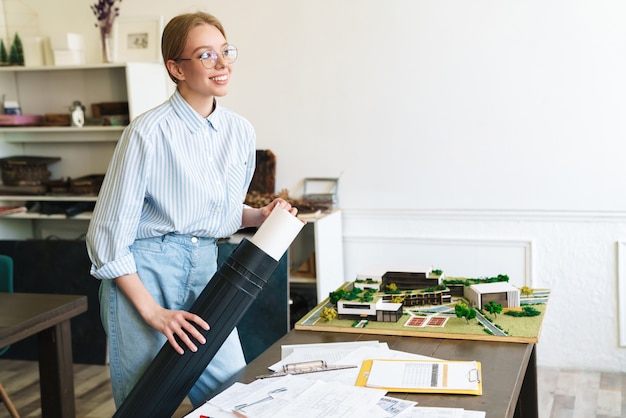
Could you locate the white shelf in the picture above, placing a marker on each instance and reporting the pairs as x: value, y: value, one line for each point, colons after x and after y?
x: 85, y: 216
x: 47, y: 198
x: 311, y: 217
x: 54, y: 129
x: 60, y: 134
x: 24, y: 69
x: 312, y: 281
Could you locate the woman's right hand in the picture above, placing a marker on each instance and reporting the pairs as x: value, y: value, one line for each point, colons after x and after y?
x: 171, y: 323
x: 181, y: 324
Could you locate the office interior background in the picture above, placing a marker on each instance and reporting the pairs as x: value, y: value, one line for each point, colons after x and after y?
x: 483, y: 137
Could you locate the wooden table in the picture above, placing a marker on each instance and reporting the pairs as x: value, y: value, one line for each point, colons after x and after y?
x: 509, y: 369
x: 48, y: 316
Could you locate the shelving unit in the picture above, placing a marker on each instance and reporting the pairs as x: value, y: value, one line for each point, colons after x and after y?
x: 83, y: 150
x: 319, y: 248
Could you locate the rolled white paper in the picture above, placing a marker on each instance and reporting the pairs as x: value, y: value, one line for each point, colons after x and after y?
x: 277, y: 233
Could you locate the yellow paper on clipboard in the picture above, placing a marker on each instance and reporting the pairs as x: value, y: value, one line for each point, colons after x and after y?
x: 422, y: 376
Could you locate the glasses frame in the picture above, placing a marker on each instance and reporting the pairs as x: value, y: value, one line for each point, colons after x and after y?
x: 212, y: 57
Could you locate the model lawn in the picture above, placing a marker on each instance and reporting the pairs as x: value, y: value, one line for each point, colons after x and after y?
x: 421, y: 302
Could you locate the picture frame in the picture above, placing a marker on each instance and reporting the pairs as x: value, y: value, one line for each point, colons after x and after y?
x: 137, y: 39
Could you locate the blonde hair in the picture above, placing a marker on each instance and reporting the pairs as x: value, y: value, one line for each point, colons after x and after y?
x: 176, y: 31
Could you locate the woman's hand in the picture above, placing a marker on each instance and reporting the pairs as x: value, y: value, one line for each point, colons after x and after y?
x: 281, y: 203
x: 168, y: 322
x: 179, y: 324
x: 252, y: 217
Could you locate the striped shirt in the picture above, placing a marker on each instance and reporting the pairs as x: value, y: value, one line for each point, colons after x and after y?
x: 173, y: 171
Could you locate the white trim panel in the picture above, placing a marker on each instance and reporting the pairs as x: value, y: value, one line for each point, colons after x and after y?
x: 621, y: 292
x: 489, y: 215
x: 457, y: 257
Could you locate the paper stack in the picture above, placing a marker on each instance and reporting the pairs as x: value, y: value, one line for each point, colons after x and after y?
x: 327, y: 394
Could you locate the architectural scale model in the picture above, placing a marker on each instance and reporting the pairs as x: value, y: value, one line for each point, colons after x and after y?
x: 418, y: 300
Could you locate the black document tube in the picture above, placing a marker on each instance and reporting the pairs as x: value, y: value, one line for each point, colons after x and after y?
x: 222, y: 303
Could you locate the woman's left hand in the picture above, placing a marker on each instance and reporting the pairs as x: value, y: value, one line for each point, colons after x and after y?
x: 255, y: 217
x: 281, y: 203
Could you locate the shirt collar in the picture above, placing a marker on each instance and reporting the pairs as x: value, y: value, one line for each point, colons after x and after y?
x: 191, y: 118
x: 215, y: 119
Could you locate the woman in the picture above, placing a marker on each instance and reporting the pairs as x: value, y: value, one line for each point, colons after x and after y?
x: 176, y: 183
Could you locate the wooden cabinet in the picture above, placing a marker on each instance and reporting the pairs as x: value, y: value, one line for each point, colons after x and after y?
x: 83, y: 150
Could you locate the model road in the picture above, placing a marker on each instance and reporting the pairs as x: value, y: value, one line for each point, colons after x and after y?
x: 487, y: 324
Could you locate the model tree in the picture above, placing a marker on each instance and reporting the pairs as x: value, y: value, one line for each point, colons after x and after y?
x: 328, y: 314
x: 463, y: 311
x: 4, y: 56
x: 527, y: 310
x: 335, y: 296
x: 16, y: 56
x: 392, y: 288
x: 470, y: 314
x: 397, y: 299
x: 366, y: 297
x: 525, y: 290
x: 493, y: 308
x: 459, y: 308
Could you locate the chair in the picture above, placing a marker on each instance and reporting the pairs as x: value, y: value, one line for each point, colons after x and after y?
x: 6, y: 285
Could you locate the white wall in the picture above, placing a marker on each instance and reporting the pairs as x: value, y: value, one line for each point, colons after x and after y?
x: 576, y: 255
x: 484, y: 137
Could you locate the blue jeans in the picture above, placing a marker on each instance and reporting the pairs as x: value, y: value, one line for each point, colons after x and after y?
x: 175, y: 269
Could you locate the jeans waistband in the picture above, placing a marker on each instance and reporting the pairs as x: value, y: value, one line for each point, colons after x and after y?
x: 183, y: 239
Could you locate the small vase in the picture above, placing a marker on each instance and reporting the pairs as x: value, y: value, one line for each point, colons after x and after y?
x: 107, y: 52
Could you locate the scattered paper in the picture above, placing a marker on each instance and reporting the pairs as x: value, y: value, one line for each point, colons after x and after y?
x: 331, y: 400
x: 432, y: 412
x: 327, y: 394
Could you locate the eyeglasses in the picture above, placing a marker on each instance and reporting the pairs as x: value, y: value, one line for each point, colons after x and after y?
x: 209, y: 58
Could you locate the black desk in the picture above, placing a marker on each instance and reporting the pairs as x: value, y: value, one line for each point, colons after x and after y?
x: 48, y: 317
x: 509, y: 369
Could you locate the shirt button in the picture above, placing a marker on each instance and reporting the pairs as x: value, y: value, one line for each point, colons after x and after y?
x: 194, y: 239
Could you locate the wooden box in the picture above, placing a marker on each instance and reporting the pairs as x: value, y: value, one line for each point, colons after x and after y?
x: 25, y: 170
x: 87, y: 184
x: 264, y: 179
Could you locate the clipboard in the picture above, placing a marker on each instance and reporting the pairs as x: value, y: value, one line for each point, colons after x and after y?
x: 314, y: 366
x: 422, y: 376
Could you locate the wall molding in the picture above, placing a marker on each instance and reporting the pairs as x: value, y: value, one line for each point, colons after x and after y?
x: 525, y: 245
x: 621, y: 292
x: 486, y: 215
